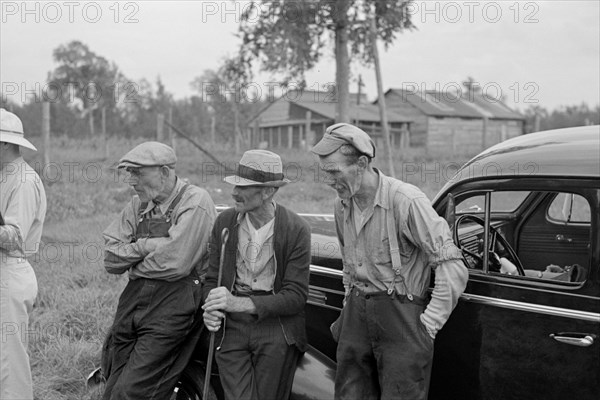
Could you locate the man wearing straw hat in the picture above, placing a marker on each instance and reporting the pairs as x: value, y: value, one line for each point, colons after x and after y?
x: 22, y: 212
x: 161, y: 241
x: 260, y: 304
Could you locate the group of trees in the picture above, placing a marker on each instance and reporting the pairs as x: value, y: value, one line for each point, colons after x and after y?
x: 89, y: 94
x: 540, y: 119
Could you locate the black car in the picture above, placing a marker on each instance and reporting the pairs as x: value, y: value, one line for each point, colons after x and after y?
x: 526, y: 213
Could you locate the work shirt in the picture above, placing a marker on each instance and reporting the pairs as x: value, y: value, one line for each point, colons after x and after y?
x: 425, y: 242
x: 23, y: 207
x: 255, y: 258
x: 167, y: 258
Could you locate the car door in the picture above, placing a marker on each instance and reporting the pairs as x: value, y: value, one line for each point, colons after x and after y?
x: 526, y: 337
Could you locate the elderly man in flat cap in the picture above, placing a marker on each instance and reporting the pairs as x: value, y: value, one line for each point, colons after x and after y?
x: 22, y: 212
x: 390, y: 239
x: 161, y: 240
x: 265, y: 284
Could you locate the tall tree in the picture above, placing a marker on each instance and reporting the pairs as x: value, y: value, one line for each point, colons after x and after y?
x: 295, y: 35
x: 85, y: 80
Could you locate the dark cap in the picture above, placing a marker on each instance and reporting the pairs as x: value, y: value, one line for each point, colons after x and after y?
x: 149, y: 154
x: 339, y: 134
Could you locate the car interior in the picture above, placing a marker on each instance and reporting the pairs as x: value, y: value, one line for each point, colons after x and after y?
x: 531, y: 234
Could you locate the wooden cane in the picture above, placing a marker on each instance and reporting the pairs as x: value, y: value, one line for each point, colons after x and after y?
x: 211, y: 346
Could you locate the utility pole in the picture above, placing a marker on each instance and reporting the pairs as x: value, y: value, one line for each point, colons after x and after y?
x: 381, y: 100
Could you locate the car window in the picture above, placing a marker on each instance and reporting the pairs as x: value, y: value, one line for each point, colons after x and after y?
x: 546, y: 238
x: 569, y: 208
x: 506, y: 201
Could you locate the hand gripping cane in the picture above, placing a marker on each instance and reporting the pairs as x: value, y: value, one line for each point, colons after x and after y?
x: 211, y: 346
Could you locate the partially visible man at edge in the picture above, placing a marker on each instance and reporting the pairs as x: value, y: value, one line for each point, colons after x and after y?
x: 22, y: 213
x: 161, y: 240
x: 390, y: 239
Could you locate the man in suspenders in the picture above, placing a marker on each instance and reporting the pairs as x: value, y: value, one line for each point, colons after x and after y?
x: 390, y: 239
x: 161, y: 240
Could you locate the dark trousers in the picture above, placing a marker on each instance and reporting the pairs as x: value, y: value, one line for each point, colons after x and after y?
x: 384, y: 351
x: 152, y: 322
x: 255, y: 362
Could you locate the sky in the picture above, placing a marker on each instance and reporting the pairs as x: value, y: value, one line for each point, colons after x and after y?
x: 544, y: 53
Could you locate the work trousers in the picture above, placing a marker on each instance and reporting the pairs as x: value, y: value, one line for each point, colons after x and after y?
x: 18, y: 289
x: 255, y: 362
x: 384, y: 351
x: 152, y: 322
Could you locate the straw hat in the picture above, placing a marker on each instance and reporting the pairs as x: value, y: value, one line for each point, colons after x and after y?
x: 258, y: 168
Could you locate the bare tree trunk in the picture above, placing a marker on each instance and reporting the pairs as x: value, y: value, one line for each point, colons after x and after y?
x: 342, y: 72
x: 385, y: 128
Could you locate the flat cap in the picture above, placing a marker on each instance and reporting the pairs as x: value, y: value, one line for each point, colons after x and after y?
x: 149, y: 154
x: 339, y: 134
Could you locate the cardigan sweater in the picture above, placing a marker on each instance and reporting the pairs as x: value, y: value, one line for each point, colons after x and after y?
x: 290, y: 289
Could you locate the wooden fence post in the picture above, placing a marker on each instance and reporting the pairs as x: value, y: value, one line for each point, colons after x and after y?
x: 484, y: 138
x: 172, y: 137
x: 213, y: 124
x: 160, y: 124
x: 309, y: 134
x: 46, y: 131
x: 104, y: 135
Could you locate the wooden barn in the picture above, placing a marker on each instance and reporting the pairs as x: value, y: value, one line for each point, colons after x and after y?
x: 299, y: 119
x: 446, y: 123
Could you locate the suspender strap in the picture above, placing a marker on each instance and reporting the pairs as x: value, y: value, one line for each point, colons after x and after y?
x: 394, y: 247
x: 143, y: 206
x: 175, y: 202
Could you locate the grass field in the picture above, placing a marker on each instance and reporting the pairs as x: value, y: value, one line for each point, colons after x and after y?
x: 77, y: 298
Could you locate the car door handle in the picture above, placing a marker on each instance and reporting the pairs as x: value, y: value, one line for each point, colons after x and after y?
x: 574, y: 338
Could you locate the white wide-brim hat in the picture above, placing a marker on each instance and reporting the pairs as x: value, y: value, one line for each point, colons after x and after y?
x: 11, y: 130
x: 258, y: 168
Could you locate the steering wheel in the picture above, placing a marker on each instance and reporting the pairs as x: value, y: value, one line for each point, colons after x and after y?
x: 495, y: 239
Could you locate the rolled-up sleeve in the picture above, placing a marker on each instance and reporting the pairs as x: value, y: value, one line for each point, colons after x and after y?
x: 431, y: 233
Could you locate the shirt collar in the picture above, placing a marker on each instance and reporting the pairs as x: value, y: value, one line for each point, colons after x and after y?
x: 163, y: 206
x: 381, y: 196
x: 242, y: 215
